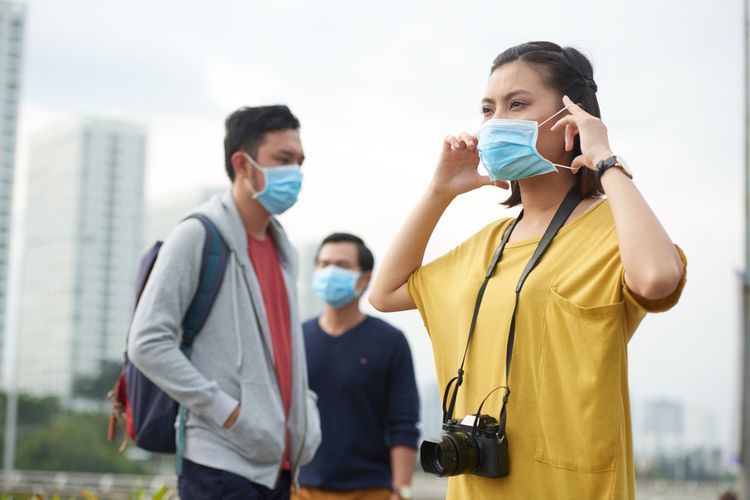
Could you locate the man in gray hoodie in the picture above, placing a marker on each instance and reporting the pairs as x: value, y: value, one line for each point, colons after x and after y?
x: 252, y: 420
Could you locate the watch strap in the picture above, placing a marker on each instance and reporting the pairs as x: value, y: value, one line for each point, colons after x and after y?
x: 610, y: 162
x: 604, y: 165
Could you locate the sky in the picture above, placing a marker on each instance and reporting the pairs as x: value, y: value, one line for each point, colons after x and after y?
x: 377, y: 86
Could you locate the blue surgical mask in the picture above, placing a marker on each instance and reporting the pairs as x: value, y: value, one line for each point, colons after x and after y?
x: 336, y: 286
x: 283, y: 185
x: 508, y: 152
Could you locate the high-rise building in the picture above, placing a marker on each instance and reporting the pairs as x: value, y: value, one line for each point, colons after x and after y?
x: 164, y: 213
x: 12, y: 15
x: 83, y: 240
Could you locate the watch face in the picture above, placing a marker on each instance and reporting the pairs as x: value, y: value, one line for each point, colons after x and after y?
x: 621, y: 161
x: 406, y: 492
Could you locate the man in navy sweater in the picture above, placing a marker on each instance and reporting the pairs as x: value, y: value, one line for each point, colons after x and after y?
x: 361, y: 369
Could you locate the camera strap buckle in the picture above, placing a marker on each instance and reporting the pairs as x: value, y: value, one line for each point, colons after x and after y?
x: 448, y: 408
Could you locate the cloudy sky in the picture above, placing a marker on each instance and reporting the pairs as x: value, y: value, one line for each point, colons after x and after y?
x: 377, y: 85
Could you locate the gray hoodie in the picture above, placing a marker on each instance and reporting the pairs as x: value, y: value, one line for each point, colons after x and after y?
x: 232, y: 360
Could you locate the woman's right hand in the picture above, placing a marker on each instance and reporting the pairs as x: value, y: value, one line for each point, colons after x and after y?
x: 456, y: 172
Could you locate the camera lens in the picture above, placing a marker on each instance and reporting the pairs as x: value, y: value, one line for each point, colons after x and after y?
x: 438, y: 460
x: 428, y: 456
x: 456, y: 454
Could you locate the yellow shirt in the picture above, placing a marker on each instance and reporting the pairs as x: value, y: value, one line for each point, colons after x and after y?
x: 569, y: 430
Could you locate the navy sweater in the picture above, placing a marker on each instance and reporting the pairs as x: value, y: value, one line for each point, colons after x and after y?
x: 368, y: 402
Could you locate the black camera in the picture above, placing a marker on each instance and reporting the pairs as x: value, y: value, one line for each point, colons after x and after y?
x: 466, y: 448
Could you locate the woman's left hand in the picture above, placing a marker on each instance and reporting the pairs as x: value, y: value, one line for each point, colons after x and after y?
x: 592, y: 132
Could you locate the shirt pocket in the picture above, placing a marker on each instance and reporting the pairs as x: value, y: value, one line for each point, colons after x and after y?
x: 580, y: 404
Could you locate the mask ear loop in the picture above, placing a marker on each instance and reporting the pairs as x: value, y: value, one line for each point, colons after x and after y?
x: 262, y: 170
x: 557, y: 165
x: 359, y: 293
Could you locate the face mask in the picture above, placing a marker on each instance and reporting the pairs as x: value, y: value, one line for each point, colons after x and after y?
x: 283, y: 185
x: 336, y: 286
x: 508, y: 152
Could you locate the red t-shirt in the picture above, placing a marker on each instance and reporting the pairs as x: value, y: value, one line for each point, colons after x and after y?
x: 268, y: 270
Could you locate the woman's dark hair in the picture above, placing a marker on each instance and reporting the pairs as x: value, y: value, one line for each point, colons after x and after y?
x: 247, y: 127
x: 364, y: 255
x: 570, y: 73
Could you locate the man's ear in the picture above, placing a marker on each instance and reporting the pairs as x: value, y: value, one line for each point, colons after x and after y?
x: 240, y: 164
x: 364, y: 281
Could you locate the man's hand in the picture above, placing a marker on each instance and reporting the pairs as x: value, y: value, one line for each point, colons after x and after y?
x: 232, y: 418
x: 403, y: 461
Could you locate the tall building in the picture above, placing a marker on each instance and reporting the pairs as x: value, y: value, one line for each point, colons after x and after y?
x: 11, y: 44
x: 83, y: 240
x: 164, y: 213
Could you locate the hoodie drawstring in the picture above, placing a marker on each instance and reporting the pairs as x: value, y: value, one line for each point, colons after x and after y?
x: 235, y: 310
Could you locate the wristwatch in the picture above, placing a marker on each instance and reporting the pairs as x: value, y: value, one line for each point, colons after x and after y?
x: 405, y: 492
x: 612, y: 161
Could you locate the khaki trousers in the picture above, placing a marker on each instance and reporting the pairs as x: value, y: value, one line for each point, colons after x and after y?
x: 320, y: 494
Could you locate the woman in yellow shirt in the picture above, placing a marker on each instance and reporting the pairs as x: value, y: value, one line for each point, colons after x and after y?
x: 567, y: 421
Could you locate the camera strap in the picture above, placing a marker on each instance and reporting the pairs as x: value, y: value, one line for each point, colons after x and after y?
x: 566, y: 208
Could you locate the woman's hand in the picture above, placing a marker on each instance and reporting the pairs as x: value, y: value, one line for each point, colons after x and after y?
x: 592, y: 132
x: 653, y: 267
x: 456, y: 172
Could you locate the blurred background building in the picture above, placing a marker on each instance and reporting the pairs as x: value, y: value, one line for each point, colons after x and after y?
x: 164, y: 213
x: 12, y: 20
x: 83, y: 240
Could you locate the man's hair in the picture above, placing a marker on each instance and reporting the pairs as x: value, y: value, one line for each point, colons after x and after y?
x: 365, y: 258
x: 246, y: 129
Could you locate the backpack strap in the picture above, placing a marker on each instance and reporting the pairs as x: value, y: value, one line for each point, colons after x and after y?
x: 213, y: 266
x: 145, y: 268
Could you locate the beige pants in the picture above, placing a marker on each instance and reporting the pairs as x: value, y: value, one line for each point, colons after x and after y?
x: 319, y: 494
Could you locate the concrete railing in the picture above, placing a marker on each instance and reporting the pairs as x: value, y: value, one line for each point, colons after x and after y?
x: 123, y: 486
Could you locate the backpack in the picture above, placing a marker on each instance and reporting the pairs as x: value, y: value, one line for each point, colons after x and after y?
x: 148, y: 413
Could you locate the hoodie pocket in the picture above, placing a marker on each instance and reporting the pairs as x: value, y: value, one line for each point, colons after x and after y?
x: 313, y: 435
x: 258, y: 434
